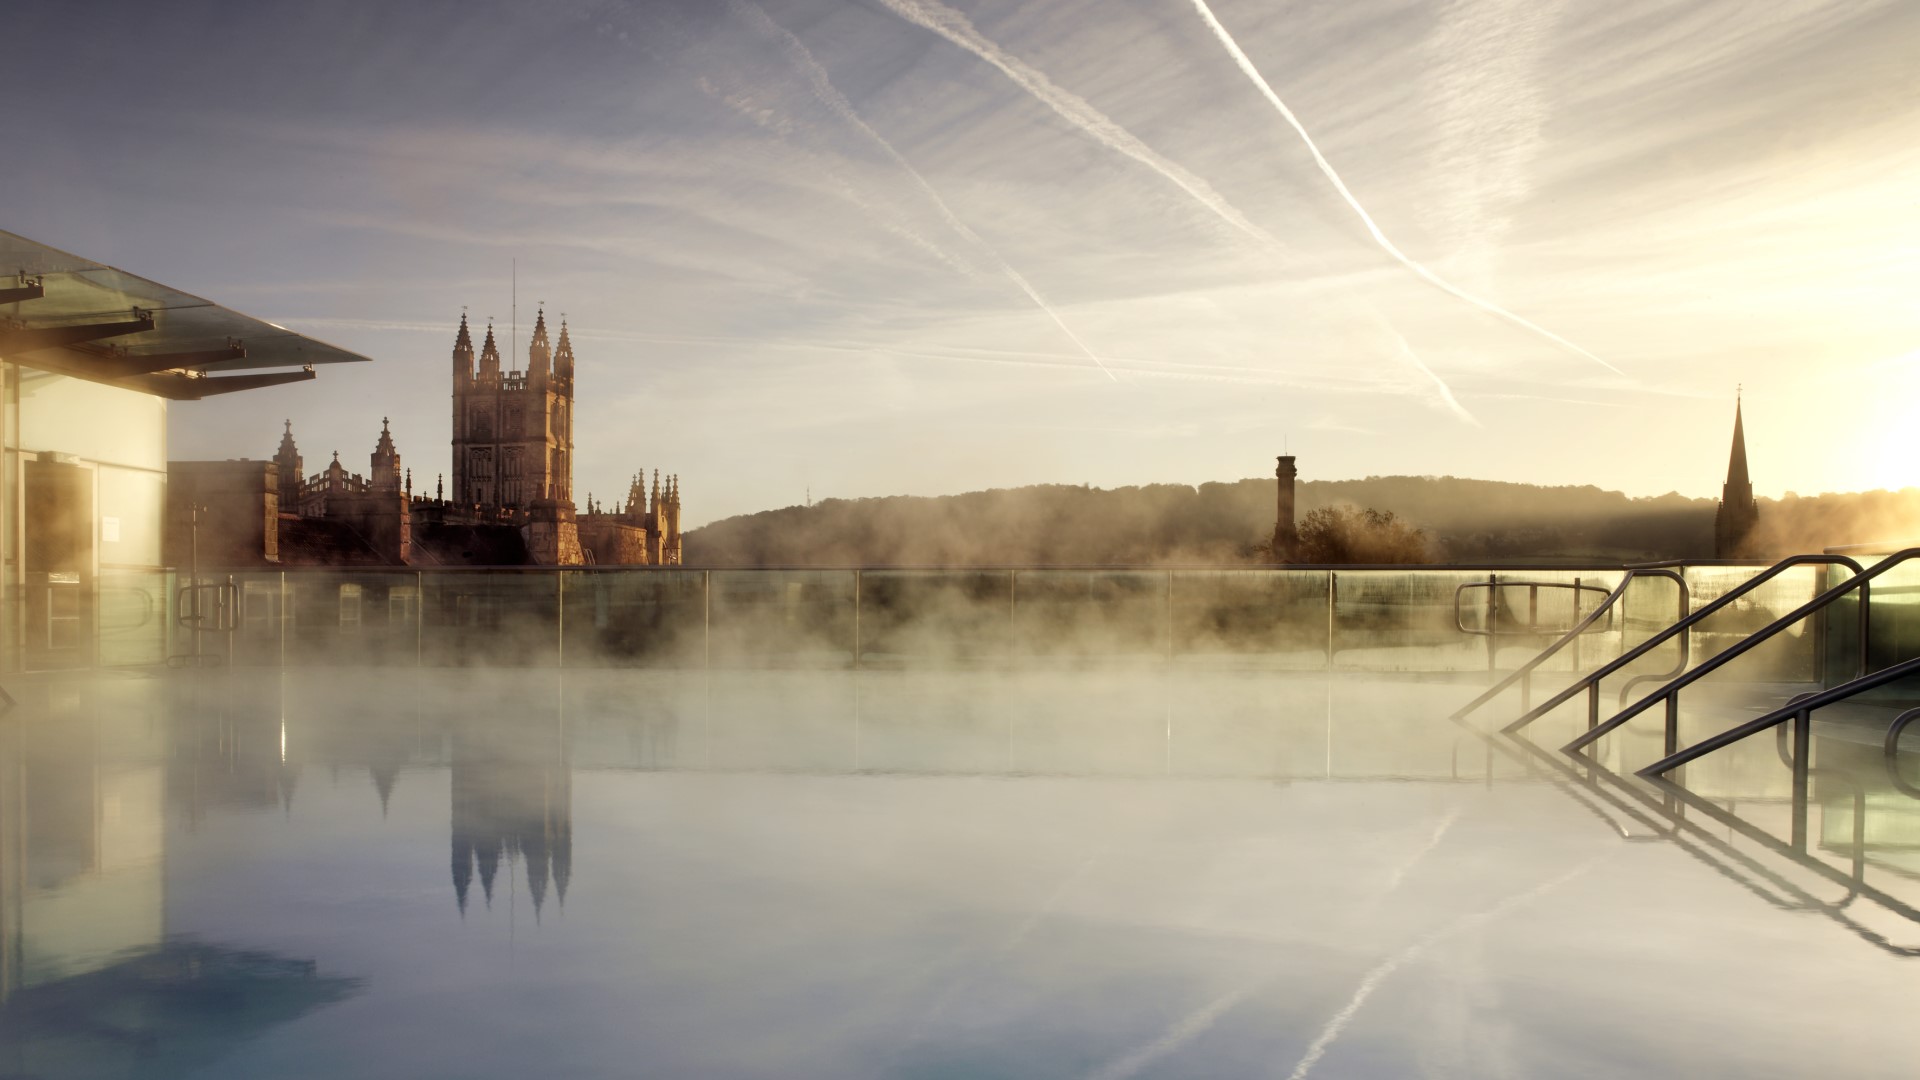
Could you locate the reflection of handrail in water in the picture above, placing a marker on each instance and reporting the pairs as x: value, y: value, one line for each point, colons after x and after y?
x: 1591, y: 683
x: 1856, y: 885
x: 1524, y: 674
x: 1671, y: 831
x: 1804, y: 901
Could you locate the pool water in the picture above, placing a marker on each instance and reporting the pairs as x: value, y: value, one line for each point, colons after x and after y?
x: 1101, y: 873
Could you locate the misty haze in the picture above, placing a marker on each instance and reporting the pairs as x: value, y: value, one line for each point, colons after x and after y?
x: 960, y: 538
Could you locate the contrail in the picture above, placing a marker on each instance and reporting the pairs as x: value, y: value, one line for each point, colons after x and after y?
x: 1439, y: 384
x: 823, y: 89
x: 950, y: 24
x: 1199, y: 1021
x: 1393, y: 963
x: 1327, y: 170
x: 1400, y: 872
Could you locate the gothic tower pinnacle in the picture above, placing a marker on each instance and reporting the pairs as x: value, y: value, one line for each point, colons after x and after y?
x: 490, y: 357
x: 539, y: 353
x: 462, y: 353
x: 385, y: 474
x: 288, y: 460
x: 563, y: 353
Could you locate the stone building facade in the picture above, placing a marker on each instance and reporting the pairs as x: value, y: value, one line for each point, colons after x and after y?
x: 512, y: 496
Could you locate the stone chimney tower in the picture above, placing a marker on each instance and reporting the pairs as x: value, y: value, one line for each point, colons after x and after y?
x: 1286, y: 535
x: 1738, y: 512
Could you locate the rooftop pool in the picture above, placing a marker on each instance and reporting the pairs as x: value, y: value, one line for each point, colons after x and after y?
x: 1107, y: 871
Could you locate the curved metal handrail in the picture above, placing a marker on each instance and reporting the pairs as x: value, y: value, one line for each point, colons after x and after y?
x: 1525, y: 671
x: 1670, y: 692
x: 1592, y: 681
x: 1533, y: 601
x: 1900, y: 783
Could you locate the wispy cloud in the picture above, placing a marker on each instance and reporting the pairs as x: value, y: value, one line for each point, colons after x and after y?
x: 1327, y: 170
x: 802, y: 59
x: 1072, y: 108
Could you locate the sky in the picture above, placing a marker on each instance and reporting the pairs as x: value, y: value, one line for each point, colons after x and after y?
x: 872, y: 247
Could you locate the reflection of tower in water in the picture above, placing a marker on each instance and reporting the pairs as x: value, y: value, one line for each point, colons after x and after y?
x: 512, y: 800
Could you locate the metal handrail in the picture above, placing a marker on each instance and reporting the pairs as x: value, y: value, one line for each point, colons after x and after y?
x: 1670, y: 693
x: 1591, y: 683
x: 1533, y: 603
x: 1802, y: 705
x: 1525, y: 671
x: 1894, y: 776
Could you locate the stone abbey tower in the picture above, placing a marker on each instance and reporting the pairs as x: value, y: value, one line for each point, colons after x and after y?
x: 511, y: 502
x: 513, y: 431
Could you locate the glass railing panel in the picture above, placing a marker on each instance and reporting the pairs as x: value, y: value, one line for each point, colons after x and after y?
x: 132, y: 613
x: 1273, y: 617
x: 1893, y: 620
x: 1403, y: 620
x: 1535, y: 608
x: 782, y: 617
x: 962, y: 616
x: 1795, y: 655
x: 485, y: 618
x: 634, y: 617
x: 1062, y: 614
x: 263, y: 613
x: 337, y: 617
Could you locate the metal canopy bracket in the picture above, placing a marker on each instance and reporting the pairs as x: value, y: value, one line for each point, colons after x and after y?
x: 25, y: 288
x: 188, y: 387
x: 19, y: 337
x: 121, y: 364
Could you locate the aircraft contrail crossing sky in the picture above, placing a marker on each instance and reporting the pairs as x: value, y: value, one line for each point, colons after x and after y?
x: 952, y: 25
x: 1326, y: 169
x: 824, y: 90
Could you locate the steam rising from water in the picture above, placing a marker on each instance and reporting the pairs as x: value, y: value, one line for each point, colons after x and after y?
x: 823, y: 89
x: 1386, y: 245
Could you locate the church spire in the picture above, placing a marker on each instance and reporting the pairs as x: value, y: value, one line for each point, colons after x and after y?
x: 1737, y: 464
x: 1738, y: 512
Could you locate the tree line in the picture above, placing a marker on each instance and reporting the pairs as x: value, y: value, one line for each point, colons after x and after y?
x: 1383, y: 518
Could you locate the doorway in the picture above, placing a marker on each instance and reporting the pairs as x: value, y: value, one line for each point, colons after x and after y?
x: 58, y: 565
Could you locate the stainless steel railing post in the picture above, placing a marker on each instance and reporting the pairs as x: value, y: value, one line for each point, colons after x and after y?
x: 1802, y: 759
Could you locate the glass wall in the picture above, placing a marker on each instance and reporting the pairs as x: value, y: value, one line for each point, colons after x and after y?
x: 82, y: 510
